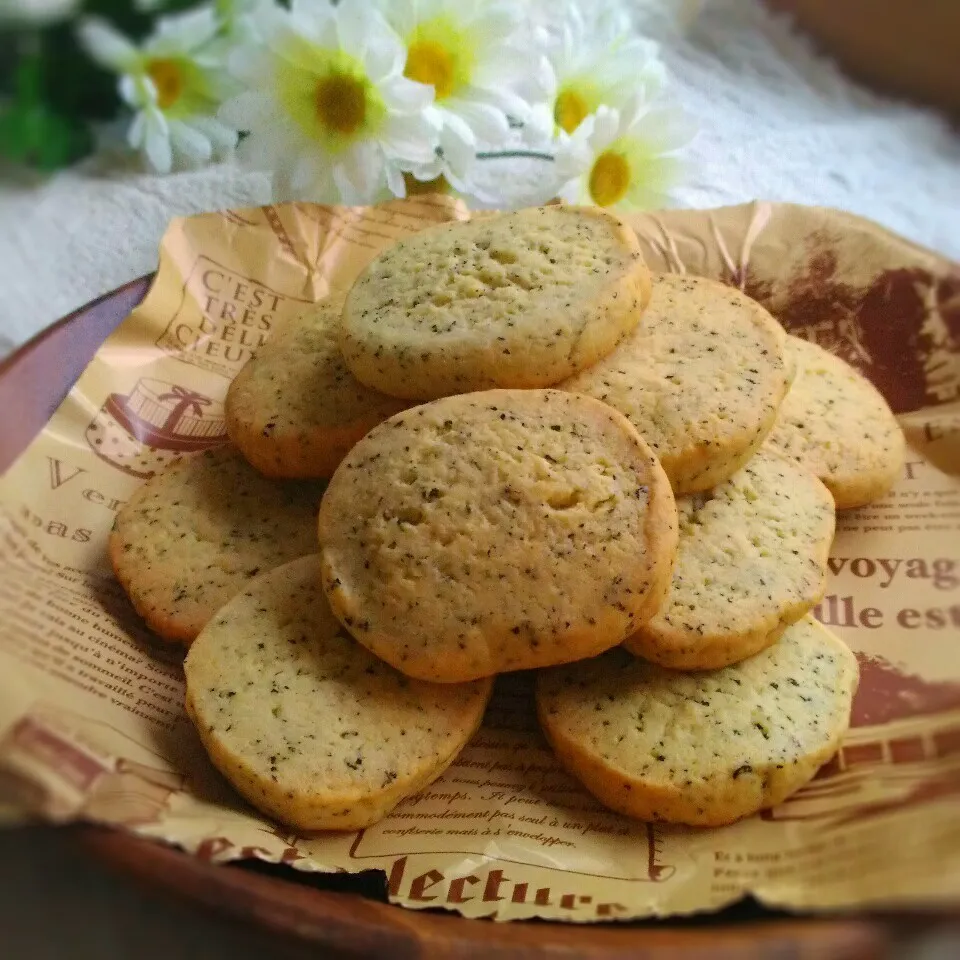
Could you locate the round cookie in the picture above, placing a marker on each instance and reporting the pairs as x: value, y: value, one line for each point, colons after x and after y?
x: 752, y: 558
x: 703, y: 748
x: 193, y: 535
x: 524, y: 299
x: 295, y: 409
x: 701, y: 378
x: 309, y: 726
x: 836, y: 424
x: 497, y: 531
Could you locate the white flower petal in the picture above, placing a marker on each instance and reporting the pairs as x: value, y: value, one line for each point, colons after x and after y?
x: 412, y: 139
x: 182, y: 33
x: 308, y: 177
x: 137, y: 131
x: 572, y: 192
x: 261, y: 153
x: 345, y: 189
x: 488, y: 123
x: 426, y: 171
x: 458, y: 143
x: 467, y: 186
x: 574, y: 154
x: 136, y: 90
x: 548, y: 79
x: 107, y: 45
x: 310, y: 9
x: 666, y: 131
x: 157, y: 148
x: 251, y: 64
x: 501, y: 99
x: 270, y: 146
x: 406, y: 95
x: 247, y: 111
x: 538, y: 84
x: 156, y: 120
x: 306, y: 170
x: 359, y: 27
x: 402, y: 15
x: 537, y: 133
x: 314, y: 20
x: 362, y: 168
x: 395, y: 182
x: 189, y: 143
x: 264, y: 20
x: 493, y: 18
x: 222, y: 138
x: 221, y: 85
x: 606, y: 126
x: 505, y: 66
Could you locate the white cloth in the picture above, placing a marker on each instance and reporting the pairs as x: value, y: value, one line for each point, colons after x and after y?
x: 777, y: 122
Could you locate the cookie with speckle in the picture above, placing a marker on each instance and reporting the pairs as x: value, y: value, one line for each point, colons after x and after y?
x: 193, y: 535
x: 701, y: 378
x: 703, y: 748
x: 836, y: 424
x: 295, y: 409
x: 752, y: 559
x: 497, y: 531
x: 309, y: 726
x: 524, y: 299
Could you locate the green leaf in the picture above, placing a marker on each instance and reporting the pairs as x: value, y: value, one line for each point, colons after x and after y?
x: 34, y: 135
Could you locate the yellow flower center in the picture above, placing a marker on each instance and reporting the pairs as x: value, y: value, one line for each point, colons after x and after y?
x: 168, y: 78
x: 570, y: 110
x: 609, y: 178
x: 417, y: 187
x: 327, y: 94
x: 441, y: 54
x: 341, y: 103
x: 431, y: 63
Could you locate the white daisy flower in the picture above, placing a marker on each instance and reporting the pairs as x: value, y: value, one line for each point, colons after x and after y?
x: 327, y: 106
x: 238, y: 19
x: 595, y: 59
x: 174, y: 83
x: 476, y: 57
x: 623, y: 158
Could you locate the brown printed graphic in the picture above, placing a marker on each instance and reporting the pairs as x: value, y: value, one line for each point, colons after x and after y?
x: 67, y: 779
x: 223, y: 318
x: 902, y: 330
x: 283, y: 238
x: 888, y: 760
x: 492, y: 885
x: 879, y: 769
x: 888, y: 693
x: 156, y: 421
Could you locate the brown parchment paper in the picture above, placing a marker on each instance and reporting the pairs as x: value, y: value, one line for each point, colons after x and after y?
x: 91, y: 722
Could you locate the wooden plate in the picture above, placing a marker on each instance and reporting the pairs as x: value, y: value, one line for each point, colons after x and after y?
x: 348, y: 916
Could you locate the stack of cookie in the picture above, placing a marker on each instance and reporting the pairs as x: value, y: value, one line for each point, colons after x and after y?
x: 538, y: 457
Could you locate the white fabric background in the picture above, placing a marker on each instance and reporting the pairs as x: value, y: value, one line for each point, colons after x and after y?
x: 777, y: 122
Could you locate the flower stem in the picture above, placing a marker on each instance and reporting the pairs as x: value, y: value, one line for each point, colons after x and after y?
x: 514, y: 155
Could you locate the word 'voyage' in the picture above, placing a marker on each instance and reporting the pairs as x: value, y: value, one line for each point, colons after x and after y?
x: 941, y: 571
